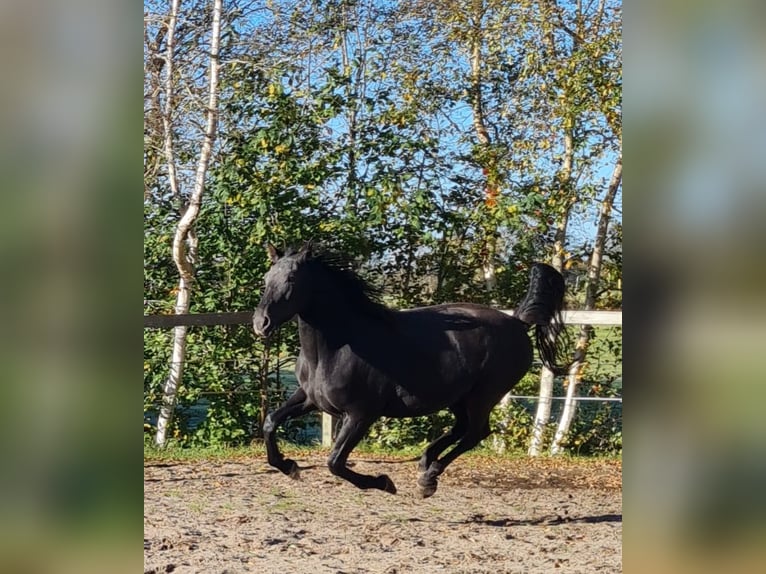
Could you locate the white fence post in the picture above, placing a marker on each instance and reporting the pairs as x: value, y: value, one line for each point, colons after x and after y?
x: 327, y: 421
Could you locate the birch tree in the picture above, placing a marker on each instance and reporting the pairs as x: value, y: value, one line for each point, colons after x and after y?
x: 579, y: 68
x: 563, y: 181
x: 184, y: 247
x: 591, y: 292
x: 605, y: 79
x: 473, y: 30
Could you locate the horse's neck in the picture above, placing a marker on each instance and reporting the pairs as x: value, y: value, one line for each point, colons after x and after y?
x: 330, y: 325
x: 316, y: 339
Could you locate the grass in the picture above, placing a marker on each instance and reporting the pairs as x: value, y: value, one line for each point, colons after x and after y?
x: 256, y: 450
x: 173, y: 453
x: 285, y: 503
x: 197, y: 506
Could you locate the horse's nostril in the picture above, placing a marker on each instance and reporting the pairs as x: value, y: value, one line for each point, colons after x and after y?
x: 261, y: 323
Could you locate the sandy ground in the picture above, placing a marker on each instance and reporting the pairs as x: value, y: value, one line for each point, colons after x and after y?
x: 488, y: 516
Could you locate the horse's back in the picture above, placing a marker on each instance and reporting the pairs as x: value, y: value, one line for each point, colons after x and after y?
x: 482, y: 337
x: 463, y: 317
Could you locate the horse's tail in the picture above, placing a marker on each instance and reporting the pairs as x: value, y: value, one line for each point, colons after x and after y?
x: 541, y: 307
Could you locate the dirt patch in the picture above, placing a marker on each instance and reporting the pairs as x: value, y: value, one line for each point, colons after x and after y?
x: 488, y: 516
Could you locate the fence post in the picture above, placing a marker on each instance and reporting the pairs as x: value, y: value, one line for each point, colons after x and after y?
x: 326, y: 429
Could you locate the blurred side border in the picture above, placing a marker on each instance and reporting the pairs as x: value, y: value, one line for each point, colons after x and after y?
x: 694, y: 241
x: 71, y: 257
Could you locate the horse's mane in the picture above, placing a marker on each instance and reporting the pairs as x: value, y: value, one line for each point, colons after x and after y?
x: 355, y: 289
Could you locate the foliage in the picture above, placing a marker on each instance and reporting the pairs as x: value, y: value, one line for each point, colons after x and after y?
x: 399, y: 433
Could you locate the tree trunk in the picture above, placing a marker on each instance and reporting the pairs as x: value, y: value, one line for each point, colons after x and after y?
x: 482, y: 135
x: 264, y: 387
x: 504, y: 423
x: 543, y: 413
x: 591, y: 290
x: 153, y: 117
x: 477, y: 104
x: 185, y: 240
x: 354, y: 90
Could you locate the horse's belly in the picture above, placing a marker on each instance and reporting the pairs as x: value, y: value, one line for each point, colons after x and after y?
x: 338, y: 393
x: 404, y: 410
x: 408, y: 404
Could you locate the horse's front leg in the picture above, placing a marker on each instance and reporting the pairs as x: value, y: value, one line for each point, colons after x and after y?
x: 298, y: 404
x: 349, y: 435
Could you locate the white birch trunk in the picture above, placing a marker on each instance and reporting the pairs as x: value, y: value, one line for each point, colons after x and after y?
x: 488, y: 271
x: 591, y: 290
x: 543, y: 412
x: 175, y: 375
x: 167, y: 113
x: 570, y: 404
x: 545, y: 398
x: 498, y: 442
x: 185, y: 240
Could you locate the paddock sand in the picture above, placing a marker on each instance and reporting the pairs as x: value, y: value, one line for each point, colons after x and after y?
x: 489, y: 515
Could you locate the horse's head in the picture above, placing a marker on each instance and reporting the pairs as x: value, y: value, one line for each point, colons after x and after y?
x: 286, y: 291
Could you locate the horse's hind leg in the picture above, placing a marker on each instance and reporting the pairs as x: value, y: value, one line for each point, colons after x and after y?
x: 349, y: 435
x: 434, y: 449
x: 298, y: 404
x: 478, y: 430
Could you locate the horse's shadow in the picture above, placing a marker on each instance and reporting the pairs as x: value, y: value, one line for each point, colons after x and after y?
x: 544, y: 520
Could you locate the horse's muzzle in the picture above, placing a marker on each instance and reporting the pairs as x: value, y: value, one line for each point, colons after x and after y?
x: 262, y: 325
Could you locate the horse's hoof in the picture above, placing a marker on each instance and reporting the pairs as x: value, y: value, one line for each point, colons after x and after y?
x: 427, y: 485
x: 388, y: 484
x: 427, y: 490
x: 294, y: 472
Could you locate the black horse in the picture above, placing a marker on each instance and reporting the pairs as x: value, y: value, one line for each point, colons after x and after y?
x: 360, y: 360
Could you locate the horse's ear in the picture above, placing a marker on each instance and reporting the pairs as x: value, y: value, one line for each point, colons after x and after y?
x: 274, y: 253
x: 307, y: 249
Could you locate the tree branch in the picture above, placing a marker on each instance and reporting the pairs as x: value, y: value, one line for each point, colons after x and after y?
x: 167, y: 120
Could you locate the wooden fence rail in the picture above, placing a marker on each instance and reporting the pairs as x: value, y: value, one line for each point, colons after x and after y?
x: 197, y: 319
x: 245, y: 317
